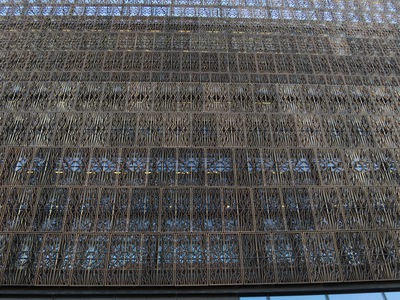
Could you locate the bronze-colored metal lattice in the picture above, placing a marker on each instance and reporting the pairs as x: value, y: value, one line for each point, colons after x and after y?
x: 199, y: 142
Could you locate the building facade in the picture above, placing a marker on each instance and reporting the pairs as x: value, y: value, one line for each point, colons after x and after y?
x: 197, y: 143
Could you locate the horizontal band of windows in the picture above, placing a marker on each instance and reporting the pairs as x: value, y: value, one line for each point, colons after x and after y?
x: 283, y: 13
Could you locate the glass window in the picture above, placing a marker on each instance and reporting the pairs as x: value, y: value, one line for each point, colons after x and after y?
x: 308, y: 297
x: 369, y: 296
x: 392, y: 295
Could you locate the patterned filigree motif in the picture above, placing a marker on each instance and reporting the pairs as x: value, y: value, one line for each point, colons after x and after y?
x: 196, y: 143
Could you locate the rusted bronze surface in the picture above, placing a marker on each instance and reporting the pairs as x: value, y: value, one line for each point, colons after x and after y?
x: 198, y: 143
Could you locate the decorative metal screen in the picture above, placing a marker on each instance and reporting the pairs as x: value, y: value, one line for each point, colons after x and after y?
x: 199, y: 142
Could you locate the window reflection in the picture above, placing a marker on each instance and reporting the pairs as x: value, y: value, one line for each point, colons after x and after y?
x: 329, y: 11
x: 354, y: 296
x: 366, y: 296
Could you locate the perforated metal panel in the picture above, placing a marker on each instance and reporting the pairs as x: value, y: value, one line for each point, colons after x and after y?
x: 198, y: 143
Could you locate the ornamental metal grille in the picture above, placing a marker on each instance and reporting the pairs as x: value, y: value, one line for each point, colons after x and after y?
x: 199, y: 142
